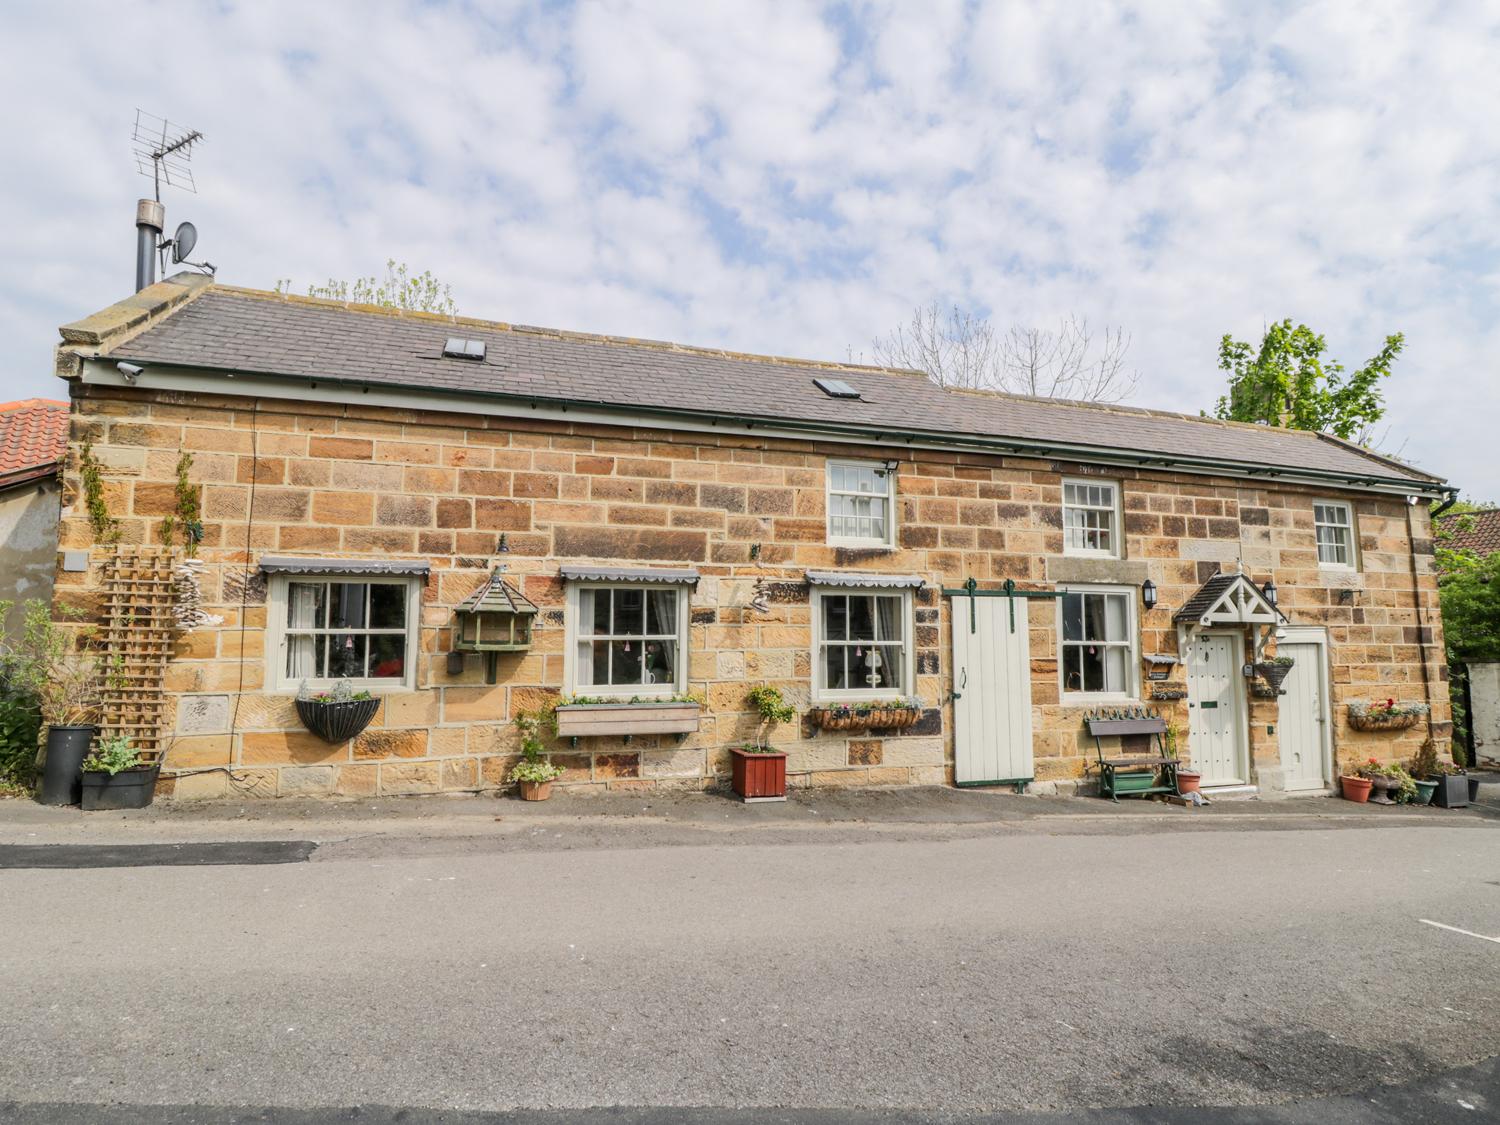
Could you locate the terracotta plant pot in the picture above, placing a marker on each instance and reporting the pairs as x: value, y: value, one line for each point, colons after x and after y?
x: 758, y: 777
x: 535, y: 790
x: 1188, y: 781
x: 1356, y: 789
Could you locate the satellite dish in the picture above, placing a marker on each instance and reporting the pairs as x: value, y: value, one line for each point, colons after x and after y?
x: 184, y: 241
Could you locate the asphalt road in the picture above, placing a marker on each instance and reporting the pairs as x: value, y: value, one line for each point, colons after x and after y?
x: 964, y: 974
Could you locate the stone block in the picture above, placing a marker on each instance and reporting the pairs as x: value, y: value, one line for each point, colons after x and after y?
x: 307, y: 781
x: 865, y: 751
x: 377, y: 744
x: 253, y: 783
x: 398, y: 779
x: 611, y: 766
x: 357, y: 781
x: 284, y: 748
x: 460, y: 773
x: 192, y: 751
x: 202, y: 714
x: 200, y: 786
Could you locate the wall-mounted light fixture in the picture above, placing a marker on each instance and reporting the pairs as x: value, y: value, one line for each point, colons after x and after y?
x: 1148, y: 595
x: 1269, y: 590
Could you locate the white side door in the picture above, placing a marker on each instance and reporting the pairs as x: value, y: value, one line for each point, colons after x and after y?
x: 1216, y: 728
x: 992, y: 680
x: 1302, y: 720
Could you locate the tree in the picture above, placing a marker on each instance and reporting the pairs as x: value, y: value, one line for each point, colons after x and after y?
x: 1287, y: 383
x: 956, y: 348
x: 1469, y: 598
x: 399, y: 290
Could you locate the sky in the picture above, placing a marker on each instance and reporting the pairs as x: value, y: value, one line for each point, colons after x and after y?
x: 794, y: 178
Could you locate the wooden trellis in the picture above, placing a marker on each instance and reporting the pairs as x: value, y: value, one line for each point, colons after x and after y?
x: 138, y: 634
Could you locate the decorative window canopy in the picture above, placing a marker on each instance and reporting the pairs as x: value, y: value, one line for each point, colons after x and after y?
x: 859, y: 578
x: 495, y: 618
x: 291, y: 564
x: 685, y: 576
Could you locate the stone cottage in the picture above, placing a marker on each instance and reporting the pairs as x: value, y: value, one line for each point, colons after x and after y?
x: 689, y: 523
x: 33, y: 444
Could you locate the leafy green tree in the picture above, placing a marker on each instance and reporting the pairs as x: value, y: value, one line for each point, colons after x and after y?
x: 399, y: 290
x: 1469, y: 596
x: 1287, y: 382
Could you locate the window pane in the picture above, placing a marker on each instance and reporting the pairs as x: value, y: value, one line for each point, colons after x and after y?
x: 889, y: 621
x: 595, y: 610
x: 1093, y: 667
x: 1072, y: 668
x: 861, y: 618
x: 630, y: 613
x: 1072, y: 617
x: 624, y: 662
x: 835, y: 617
x: 387, y: 657
x: 305, y: 603
x: 835, y: 675
x: 304, y: 657
x: 346, y: 605
x: 594, y: 661
x: 1114, y: 668
x: 1094, y: 627
x: 661, y: 612
x: 346, y: 656
x: 387, y: 606
x: 661, y: 662
x: 1114, y: 617
x: 890, y: 667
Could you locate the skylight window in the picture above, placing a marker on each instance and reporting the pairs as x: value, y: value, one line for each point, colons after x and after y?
x: 459, y: 348
x: 835, y: 388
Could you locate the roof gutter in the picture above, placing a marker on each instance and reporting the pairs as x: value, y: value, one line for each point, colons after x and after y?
x: 1450, y: 498
x: 770, y: 425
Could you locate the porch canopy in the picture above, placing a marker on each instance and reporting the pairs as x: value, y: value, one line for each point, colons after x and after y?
x: 1228, y: 600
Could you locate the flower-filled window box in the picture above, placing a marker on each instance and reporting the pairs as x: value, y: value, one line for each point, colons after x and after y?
x: 1385, y: 714
x: 881, y: 714
x: 624, y: 718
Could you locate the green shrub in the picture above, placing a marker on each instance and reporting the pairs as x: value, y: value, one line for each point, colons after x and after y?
x: 20, y: 729
x: 112, y: 755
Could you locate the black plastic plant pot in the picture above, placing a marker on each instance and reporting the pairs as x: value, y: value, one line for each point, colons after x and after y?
x: 337, y: 722
x: 128, y: 789
x: 1473, y: 789
x: 1452, y: 791
x: 67, y: 747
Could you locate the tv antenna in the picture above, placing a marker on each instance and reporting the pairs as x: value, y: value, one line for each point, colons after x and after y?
x: 163, y: 152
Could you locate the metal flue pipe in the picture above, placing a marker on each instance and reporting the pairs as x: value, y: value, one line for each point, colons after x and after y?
x: 150, y: 221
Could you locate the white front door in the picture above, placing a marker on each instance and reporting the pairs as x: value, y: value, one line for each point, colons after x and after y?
x: 992, y: 689
x: 1303, y: 716
x: 1216, y: 728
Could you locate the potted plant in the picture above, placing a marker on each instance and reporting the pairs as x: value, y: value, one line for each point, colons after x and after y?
x: 1424, y: 768
x: 1385, y: 714
x: 1275, y: 670
x: 758, y: 772
x: 534, y: 774
x: 337, y: 715
x: 114, y: 777
x: 1189, y: 780
x: 1355, y: 786
x: 52, y: 664
x: 883, y: 714
x: 1390, y: 783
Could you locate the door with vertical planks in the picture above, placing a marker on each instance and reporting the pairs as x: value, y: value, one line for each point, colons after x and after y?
x: 992, y: 691
x: 1216, y: 727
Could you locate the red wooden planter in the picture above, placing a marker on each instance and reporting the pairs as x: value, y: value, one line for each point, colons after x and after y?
x: 759, y: 777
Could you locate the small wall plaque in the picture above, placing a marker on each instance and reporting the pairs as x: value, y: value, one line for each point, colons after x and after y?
x: 75, y: 561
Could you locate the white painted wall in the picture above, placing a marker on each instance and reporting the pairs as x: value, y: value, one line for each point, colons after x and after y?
x: 1484, y: 692
x: 28, y: 543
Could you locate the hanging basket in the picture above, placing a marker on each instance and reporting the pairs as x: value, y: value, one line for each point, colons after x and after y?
x: 1361, y: 721
x: 337, y: 722
x: 1273, y: 672
x: 876, y: 718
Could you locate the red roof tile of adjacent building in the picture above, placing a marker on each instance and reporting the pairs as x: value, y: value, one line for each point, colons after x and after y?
x: 1478, y: 532
x: 33, y: 439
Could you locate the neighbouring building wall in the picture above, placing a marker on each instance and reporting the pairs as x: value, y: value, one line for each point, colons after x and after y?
x: 326, y: 480
x: 1484, y: 695
x: 28, y: 543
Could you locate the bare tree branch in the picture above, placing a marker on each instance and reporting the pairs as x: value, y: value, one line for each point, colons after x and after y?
x: 958, y: 349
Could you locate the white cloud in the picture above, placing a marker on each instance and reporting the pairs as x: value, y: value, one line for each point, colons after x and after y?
x: 790, y: 178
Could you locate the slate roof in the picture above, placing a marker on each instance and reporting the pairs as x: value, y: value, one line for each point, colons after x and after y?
x: 1202, y: 601
x: 33, y: 439
x: 253, y: 332
x: 1481, y: 535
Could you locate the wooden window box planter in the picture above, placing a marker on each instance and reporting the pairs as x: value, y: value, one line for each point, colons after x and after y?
x: 877, y: 718
x: 625, y: 720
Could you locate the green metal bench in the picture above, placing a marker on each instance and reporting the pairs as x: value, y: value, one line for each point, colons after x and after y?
x: 1133, y: 775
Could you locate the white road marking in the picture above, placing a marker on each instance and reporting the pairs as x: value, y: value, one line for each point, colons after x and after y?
x: 1456, y: 930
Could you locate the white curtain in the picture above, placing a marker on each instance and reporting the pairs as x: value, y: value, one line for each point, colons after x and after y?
x: 302, y: 613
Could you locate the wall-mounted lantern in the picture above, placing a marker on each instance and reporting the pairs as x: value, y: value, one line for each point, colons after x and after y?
x: 1269, y: 590
x: 494, y: 618
x: 1148, y: 595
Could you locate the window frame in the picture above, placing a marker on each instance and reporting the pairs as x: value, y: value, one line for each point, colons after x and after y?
x: 1131, y: 645
x: 573, y: 617
x: 870, y: 542
x: 821, y: 693
x: 1351, y: 527
x: 278, y: 632
x: 1117, y: 521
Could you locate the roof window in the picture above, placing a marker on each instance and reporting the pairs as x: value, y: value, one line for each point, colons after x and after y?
x: 835, y: 388
x: 459, y: 348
